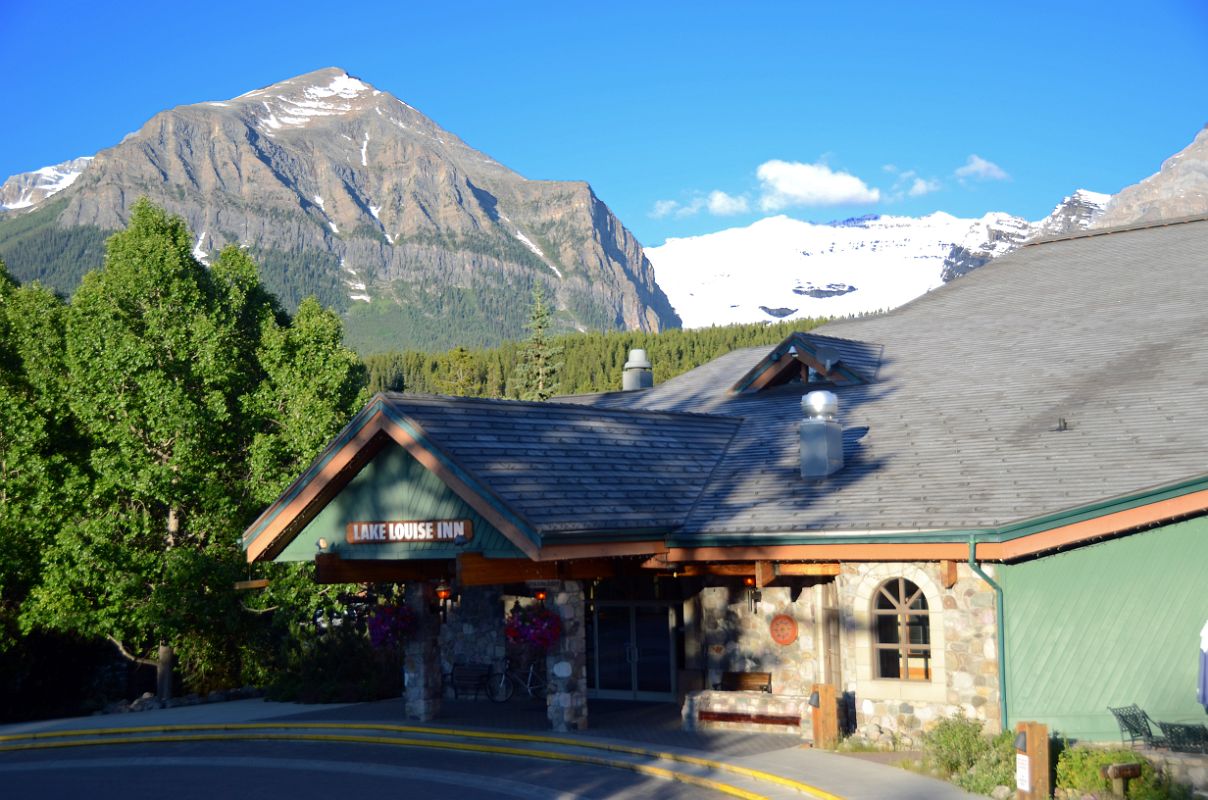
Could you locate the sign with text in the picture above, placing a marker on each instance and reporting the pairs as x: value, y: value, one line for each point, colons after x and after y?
x: 452, y: 531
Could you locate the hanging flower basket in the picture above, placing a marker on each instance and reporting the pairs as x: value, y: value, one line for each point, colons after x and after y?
x: 535, y: 626
x: 390, y: 625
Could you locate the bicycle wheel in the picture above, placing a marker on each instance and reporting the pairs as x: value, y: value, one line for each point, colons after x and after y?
x: 500, y: 687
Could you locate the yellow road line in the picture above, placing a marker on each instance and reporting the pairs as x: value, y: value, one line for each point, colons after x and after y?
x: 754, y: 774
x: 644, y: 769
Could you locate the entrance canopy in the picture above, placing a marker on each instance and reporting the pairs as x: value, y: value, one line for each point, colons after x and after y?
x: 415, y: 478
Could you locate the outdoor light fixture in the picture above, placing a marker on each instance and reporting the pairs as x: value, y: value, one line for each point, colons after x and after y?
x: 815, y: 701
x: 444, y: 593
x: 540, y: 596
x: 1021, y: 741
x: 754, y: 596
x: 322, y: 545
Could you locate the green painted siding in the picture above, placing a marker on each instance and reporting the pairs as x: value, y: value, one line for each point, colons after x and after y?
x: 394, y: 486
x: 1108, y: 625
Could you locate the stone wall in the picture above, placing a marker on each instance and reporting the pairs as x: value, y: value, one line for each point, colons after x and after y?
x: 964, y: 653
x: 566, y: 661
x: 473, y: 629
x: 737, y: 638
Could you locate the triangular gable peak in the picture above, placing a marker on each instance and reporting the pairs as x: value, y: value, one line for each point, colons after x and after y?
x: 375, y: 428
x: 812, y: 359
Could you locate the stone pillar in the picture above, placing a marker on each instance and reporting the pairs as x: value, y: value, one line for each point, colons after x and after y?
x: 421, y: 655
x: 566, y: 662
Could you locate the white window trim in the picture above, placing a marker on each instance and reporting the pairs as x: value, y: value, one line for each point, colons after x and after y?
x: 868, y: 684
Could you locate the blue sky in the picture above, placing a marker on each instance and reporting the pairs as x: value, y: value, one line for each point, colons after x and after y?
x: 685, y: 117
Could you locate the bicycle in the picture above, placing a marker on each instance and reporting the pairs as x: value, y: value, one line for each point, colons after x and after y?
x: 502, y: 685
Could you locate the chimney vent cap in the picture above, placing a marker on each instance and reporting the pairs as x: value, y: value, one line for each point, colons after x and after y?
x: 820, y: 404
x: 637, y: 360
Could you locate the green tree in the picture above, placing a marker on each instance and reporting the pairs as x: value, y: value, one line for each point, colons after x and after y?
x: 312, y: 386
x: 40, y: 455
x: 459, y: 374
x: 540, y: 359
x: 158, y: 356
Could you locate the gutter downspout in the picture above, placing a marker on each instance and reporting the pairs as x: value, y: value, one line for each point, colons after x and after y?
x: 1002, y: 637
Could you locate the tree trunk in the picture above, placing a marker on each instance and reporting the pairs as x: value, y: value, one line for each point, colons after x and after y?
x: 163, y: 672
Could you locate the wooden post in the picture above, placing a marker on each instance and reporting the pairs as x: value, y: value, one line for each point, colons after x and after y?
x: 1032, y: 775
x: 826, y: 717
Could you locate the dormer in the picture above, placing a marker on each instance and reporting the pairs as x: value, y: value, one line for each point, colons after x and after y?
x: 815, y: 361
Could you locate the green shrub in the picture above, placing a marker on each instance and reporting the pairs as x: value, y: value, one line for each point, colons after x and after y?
x: 1078, y: 770
x: 337, y: 666
x: 959, y: 749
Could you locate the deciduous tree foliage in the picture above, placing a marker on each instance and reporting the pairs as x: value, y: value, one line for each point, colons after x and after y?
x: 197, y: 396
x: 40, y: 453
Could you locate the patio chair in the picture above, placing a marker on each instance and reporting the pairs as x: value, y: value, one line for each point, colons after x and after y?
x: 1135, y: 726
x: 1185, y: 738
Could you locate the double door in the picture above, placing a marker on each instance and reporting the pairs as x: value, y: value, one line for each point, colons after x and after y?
x: 631, y: 651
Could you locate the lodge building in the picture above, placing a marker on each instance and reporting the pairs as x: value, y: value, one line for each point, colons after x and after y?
x: 990, y: 500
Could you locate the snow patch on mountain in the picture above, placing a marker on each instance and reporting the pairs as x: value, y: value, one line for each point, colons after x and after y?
x: 30, y: 188
x: 783, y: 268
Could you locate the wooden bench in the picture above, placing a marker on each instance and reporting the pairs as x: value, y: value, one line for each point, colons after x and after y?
x: 469, y: 678
x: 745, y: 682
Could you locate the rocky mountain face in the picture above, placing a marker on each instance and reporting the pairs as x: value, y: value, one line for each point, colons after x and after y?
x: 344, y: 191
x: 1178, y: 189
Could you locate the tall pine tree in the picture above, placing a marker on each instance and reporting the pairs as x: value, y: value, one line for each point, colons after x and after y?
x: 540, y: 360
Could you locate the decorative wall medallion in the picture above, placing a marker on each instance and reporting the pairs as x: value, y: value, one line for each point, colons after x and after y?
x: 784, y: 629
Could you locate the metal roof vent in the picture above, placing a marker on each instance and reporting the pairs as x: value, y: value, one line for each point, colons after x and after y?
x: 821, y: 436
x: 637, y: 372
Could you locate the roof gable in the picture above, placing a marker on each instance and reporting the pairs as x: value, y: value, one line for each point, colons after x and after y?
x: 810, y: 358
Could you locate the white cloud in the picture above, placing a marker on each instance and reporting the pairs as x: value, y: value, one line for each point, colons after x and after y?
x: 981, y: 169
x: 922, y: 186
x: 716, y: 202
x: 663, y: 208
x: 722, y: 204
x: 792, y: 183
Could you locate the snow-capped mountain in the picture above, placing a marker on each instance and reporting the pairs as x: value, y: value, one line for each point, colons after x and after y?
x: 30, y: 188
x: 782, y: 268
x: 340, y: 190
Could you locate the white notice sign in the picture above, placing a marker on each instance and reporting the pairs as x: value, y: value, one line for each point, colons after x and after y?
x: 1023, y: 773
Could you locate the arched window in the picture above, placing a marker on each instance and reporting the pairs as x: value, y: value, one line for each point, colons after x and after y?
x: 902, y: 632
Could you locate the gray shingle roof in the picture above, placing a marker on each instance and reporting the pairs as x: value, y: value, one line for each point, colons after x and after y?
x: 570, y: 468
x: 1106, y: 332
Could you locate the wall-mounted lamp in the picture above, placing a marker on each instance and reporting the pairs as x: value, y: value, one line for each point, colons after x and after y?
x: 1021, y: 742
x: 540, y: 596
x: 754, y: 596
x: 815, y: 701
x: 444, y: 593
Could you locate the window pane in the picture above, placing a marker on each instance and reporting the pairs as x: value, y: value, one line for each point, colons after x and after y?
x: 887, y: 628
x: 920, y: 631
x: 918, y: 666
x: 885, y: 597
x: 890, y: 664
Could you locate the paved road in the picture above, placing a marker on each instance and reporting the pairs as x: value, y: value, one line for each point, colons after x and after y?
x: 646, y: 735
x: 300, y: 771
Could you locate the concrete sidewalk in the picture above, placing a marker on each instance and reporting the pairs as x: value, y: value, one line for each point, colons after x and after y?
x: 632, y: 724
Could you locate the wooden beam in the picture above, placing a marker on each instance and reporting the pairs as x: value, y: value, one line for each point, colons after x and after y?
x: 765, y: 573
x: 886, y: 551
x: 474, y: 569
x: 818, y: 569
x: 948, y: 573
x: 562, y: 552
x: 330, y: 568
x: 255, y: 583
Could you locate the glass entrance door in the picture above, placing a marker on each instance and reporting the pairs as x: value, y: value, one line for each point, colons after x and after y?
x: 631, y: 651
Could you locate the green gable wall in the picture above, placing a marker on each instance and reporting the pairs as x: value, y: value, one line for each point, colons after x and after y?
x: 1108, y: 625
x: 394, y: 486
